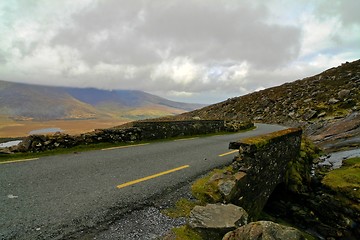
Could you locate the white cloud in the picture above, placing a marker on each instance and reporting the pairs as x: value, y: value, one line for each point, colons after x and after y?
x: 318, y: 34
x: 182, y: 49
x: 182, y: 70
x: 179, y: 94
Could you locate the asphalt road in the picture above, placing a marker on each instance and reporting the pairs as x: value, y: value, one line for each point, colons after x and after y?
x: 50, y: 197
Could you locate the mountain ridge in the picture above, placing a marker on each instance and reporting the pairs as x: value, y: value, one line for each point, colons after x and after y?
x: 325, y: 105
x: 36, y: 102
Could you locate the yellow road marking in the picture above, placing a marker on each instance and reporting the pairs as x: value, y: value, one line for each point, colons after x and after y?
x: 136, y: 145
x: 184, y: 139
x: 20, y: 160
x: 151, y: 177
x: 231, y: 152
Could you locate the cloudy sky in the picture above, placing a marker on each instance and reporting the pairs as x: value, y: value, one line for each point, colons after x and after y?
x: 187, y: 50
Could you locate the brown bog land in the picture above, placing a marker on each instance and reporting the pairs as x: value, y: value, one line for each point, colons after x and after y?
x: 11, y: 128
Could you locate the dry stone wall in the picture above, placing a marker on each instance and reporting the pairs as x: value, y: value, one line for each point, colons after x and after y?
x: 139, y: 131
x: 263, y: 161
x: 169, y: 129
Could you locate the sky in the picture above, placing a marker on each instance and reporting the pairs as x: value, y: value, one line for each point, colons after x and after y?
x: 202, y: 51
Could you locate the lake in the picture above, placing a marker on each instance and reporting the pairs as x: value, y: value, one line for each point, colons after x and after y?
x: 45, y: 130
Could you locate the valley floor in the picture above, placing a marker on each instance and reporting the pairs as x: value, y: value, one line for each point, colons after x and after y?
x: 13, y: 129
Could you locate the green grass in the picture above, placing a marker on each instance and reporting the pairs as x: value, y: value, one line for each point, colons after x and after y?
x: 207, y: 191
x: 98, y: 146
x: 186, y: 233
x: 182, y: 208
x: 345, y: 180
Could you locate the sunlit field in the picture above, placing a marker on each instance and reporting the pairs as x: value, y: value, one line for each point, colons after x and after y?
x: 10, y: 128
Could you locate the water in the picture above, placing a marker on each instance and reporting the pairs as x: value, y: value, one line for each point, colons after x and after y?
x: 45, y: 130
x: 10, y: 144
x: 335, y: 159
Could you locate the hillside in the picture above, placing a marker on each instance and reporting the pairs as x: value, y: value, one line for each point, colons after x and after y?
x: 325, y: 105
x: 33, y: 102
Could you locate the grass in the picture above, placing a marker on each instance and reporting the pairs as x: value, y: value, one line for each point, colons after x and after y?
x: 182, y: 208
x: 207, y: 191
x: 186, y: 233
x: 345, y: 180
x: 98, y: 146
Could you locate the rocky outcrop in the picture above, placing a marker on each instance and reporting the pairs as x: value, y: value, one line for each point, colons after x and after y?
x: 264, y: 230
x: 334, y: 135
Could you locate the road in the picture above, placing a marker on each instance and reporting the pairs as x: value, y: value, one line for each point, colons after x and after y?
x: 50, y: 197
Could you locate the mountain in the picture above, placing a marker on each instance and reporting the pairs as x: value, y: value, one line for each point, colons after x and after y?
x: 24, y: 101
x: 325, y: 105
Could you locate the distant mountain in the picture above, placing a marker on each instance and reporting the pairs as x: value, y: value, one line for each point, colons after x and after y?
x: 23, y: 101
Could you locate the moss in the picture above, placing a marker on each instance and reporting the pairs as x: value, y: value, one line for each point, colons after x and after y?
x: 206, y: 190
x: 263, y: 140
x: 186, y: 233
x: 298, y: 176
x: 182, y: 208
x: 345, y: 181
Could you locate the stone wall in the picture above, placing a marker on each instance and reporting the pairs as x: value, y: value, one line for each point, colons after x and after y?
x: 263, y: 161
x: 169, y: 129
x: 40, y: 143
x: 146, y: 130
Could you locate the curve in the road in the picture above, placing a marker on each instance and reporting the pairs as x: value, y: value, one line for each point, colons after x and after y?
x: 53, y: 196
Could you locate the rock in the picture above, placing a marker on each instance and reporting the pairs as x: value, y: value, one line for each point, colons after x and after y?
x: 291, y: 115
x: 264, y: 230
x: 218, y: 217
x: 5, y: 151
x: 309, y: 114
x: 343, y: 93
x: 25, y: 145
x: 322, y: 114
x: 333, y: 101
x: 226, y: 187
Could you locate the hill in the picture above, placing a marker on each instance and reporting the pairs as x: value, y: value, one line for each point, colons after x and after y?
x: 32, y: 102
x: 325, y: 105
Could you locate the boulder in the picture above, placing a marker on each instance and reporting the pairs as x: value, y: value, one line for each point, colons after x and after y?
x: 218, y: 217
x: 5, y: 151
x: 343, y: 93
x: 309, y: 114
x: 265, y: 230
x: 333, y: 101
x: 24, y: 146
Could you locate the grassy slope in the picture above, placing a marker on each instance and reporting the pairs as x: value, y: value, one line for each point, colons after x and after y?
x: 345, y: 180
